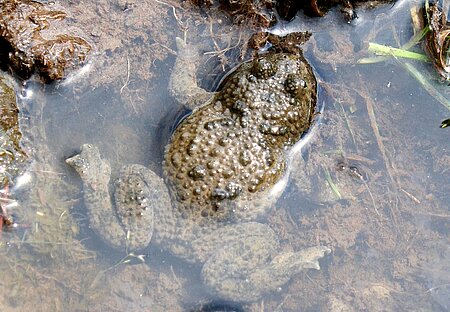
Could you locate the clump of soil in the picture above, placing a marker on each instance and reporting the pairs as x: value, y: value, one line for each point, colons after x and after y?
x: 11, y: 151
x: 438, y: 40
x: 32, y: 41
x: 260, y: 13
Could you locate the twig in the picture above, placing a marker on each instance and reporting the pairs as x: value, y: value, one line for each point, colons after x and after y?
x: 128, y: 75
x: 387, y: 163
x: 379, y: 139
x: 436, y: 287
x: 183, y: 27
x: 411, y: 196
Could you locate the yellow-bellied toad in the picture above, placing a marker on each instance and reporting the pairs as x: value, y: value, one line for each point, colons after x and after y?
x: 223, y: 169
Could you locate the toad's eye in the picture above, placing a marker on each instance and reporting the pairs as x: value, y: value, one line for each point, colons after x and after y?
x: 294, y: 83
x: 263, y: 69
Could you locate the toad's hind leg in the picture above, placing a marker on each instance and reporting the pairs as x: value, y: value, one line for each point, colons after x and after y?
x: 182, y: 84
x: 137, y: 193
x: 244, y: 268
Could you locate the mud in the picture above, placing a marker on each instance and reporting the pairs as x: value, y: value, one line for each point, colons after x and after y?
x: 30, y: 31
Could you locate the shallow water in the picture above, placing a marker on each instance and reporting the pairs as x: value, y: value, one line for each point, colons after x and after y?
x: 377, y: 143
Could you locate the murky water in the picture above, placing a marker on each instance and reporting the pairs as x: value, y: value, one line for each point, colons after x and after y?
x: 372, y: 184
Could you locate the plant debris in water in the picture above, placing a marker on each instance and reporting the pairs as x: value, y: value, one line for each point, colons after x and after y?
x: 261, y: 12
x: 438, y: 39
x: 11, y: 152
x: 438, y: 47
x: 31, y: 40
x: 288, y: 8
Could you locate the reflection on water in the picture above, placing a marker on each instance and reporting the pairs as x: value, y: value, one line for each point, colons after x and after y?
x: 372, y: 183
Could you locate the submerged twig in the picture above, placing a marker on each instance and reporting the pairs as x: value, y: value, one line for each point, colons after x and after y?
x: 411, y: 196
x: 174, y: 13
x: 437, y: 287
x: 390, y: 168
x: 128, y: 76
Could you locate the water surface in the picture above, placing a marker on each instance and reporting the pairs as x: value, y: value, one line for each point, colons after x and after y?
x: 373, y: 186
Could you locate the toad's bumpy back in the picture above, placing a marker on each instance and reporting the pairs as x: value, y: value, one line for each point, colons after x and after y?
x: 226, y: 156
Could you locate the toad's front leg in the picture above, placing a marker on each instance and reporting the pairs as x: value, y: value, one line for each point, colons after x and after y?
x: 126, y: 223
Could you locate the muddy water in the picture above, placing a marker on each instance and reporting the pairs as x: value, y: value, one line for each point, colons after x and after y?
x: 372, y: 184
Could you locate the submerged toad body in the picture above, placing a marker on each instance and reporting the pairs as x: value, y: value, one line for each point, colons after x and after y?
x: 223, y: 170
